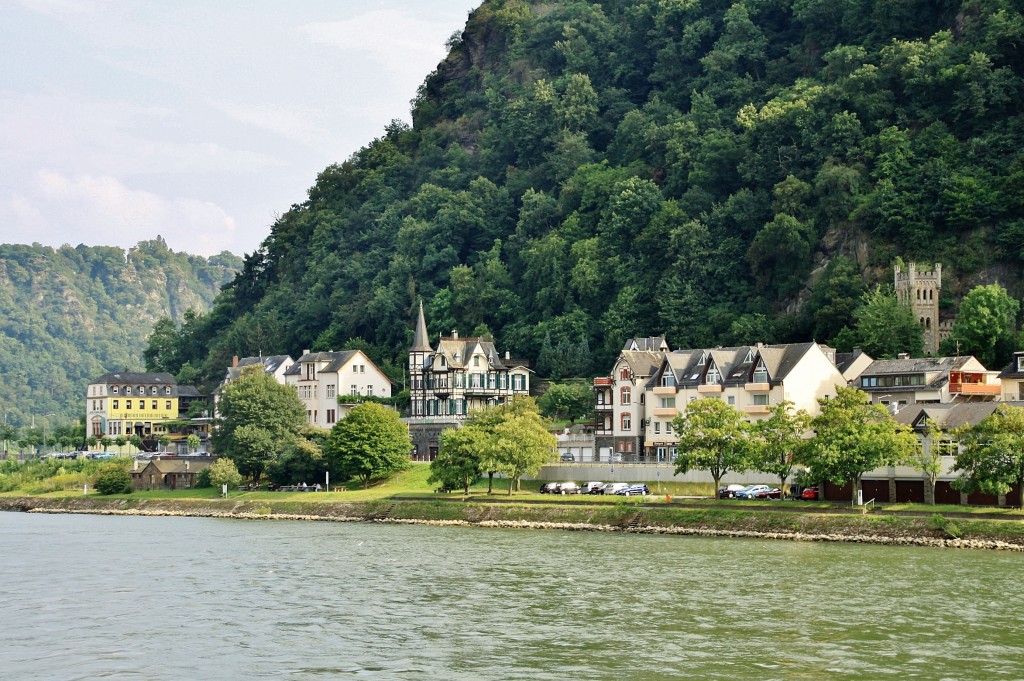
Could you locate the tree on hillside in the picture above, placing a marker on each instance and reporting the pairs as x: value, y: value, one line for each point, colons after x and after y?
x: 459, y: 461
x: 779, y: 440
x: 853, y: 436
x: 984, y: 326
x: 370, y: 443
x: 886, y: 327
x: 991, y: 456
x: 257, y: 417
x: 714, y: 437
x: 567, y: 401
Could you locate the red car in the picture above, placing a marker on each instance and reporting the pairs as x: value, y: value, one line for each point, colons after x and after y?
x: 809, y: 494
x: 772, y: 493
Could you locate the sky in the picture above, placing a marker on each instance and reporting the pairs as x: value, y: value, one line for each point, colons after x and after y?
x: 199, y: 121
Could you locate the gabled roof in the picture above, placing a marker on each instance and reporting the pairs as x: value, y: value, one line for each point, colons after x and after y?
x: 734, y: 363
x: 340, y: 360
x: 457, y: 351
x: 845, y: 359
x: 648, y: 344
x: 166, y: 466
x: 1010, y: 370
x: 642, y: 363
x: 949, y: 416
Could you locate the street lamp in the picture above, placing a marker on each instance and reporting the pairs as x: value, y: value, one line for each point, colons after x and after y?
x: 45, y: 417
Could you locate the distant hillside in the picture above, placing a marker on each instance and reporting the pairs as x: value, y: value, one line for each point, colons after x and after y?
x: 68, y: 315
x: 723, y: 172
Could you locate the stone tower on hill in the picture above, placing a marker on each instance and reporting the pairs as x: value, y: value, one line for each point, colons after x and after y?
x: 920, y: 289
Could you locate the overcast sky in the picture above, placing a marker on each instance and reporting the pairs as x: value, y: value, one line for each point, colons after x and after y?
x: 196, y: 120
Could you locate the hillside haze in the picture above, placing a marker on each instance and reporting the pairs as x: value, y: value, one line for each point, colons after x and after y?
x: 68, y: 315
x: 719, y: 172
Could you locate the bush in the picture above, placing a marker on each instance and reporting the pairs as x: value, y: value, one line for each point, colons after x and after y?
x: 114, y: 480
x: 943, y: 524
x: 223, y: 472
x: 203, y: 478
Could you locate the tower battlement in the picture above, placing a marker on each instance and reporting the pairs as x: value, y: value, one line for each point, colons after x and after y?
x: 920, y: 290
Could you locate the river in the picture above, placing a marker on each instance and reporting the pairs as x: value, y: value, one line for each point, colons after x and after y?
x: 87, y: 597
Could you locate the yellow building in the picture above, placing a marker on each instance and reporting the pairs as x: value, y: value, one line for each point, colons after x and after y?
x: 129, y: 403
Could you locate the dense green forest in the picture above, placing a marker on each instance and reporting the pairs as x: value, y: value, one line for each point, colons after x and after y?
x: 69, y: 315
x: 719, y: 172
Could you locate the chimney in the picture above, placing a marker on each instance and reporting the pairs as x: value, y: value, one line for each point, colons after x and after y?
x: 305, y: 352
x: 507, y: 355
x: 455, y: 335
x: 234, y: 361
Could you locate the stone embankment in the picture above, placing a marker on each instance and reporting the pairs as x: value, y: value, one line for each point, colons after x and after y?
x: 375, y: 512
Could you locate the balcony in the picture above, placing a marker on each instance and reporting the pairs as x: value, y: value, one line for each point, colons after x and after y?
x: 709, y: 389
x: 757, y: 387
x: 604, y: 406
x: 665, y: 411
x: 975, y: 389
x: 665, y: 390
x: 756, y: 409
x: 603, y: 382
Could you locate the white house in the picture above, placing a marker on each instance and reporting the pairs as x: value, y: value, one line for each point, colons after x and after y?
x: 330, y: 383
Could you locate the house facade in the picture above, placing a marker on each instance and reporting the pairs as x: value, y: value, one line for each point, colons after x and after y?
x: 620, y: 400
x: 749, y: 378
x: 171, y: 474
x: 149, y: 405
x: 450, y: 382
x: 330, y: 383
x: 928, y: 380
x: 1011, y: 379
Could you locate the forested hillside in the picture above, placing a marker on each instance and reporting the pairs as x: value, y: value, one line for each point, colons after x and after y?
x: 717, y: 171
x: 69, y: 315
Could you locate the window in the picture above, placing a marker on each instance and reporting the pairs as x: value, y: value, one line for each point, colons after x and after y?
x: 668, y: 427
x: 167, y: 390
x: 668, y: 380
x: 128, y: 404
x: 331, y: 416
x: 331, y: 391
x: 355, y: 390
x: 476, y: 361
x: 154, y: 405
x: 667, y: 402
x: 362, y: 367
x: 624, y: 375
x: 369, y: 390
x: 492, y: 381
x: 1020, y: 366
x: 760, y: 374
x: 153, y: 391
x: 115, y: 405
x: 626, y: 421
x: 731, y: 400
x: 624, y: 396
x: 761, y: 399
x: 713, y: 377
x: 657, y: 428
x: 115, y: 389
x: 167, y: 405
x: 703, y: 359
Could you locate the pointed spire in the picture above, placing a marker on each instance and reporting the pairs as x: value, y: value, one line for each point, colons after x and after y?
x: 421, y: 342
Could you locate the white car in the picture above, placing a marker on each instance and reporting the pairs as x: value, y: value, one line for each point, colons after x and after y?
x: 592, y: 488
x: 614, y: 487
x: 568, y: 488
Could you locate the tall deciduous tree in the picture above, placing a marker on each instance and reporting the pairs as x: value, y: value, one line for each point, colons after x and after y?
x: 567, y: 401
x: 887, y: 327
x: 257, y: 416
x: 714, y: 437
x: 984, y: 325
x: 517, y: 441
x: 779, y: 440
x: 853, y: 436
x: 991, y: 456
x: 370, y: 443
x: 459, y: 461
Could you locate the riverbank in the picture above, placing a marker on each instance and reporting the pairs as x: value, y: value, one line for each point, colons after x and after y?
x: 876, y: 528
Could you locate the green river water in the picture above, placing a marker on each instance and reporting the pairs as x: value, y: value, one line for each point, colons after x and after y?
x: 94, y: 597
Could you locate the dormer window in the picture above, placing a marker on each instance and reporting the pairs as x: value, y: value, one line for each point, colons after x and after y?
x: 167, y: 390
x: 114, y: 389
x: 713, y: 377
x: 668, y: 380
x: 750, y: 356
x: 1020, y: 363
x: 760, y: 373
x: 624, y: 375
x: 444, y: 362
x: 703, y: 359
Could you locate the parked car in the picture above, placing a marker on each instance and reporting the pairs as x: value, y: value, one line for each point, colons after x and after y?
x: 614, y: 487
x: 568, y: 488
x: 549, y: 488
x: 750, y: 491
x: 592, y: 488
x: 102, y: 456
x: 729, y: 491
x: 770, y: 493
x: 634, y: 490
x: 567, y: 457
x: 810, y: 494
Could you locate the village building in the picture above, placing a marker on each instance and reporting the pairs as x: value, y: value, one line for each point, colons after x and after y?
x: 151, y: 406
x: 167, y: 474
x: 447, y: 384
x: 330, y: 383
x: 928, y: 380
x: 1011, y: 379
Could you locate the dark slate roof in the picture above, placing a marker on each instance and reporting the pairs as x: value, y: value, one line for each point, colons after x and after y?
x: 949, y: 416
x: 421, y: 342
x: 464, y: 348
x: 916, y: 365
x: 118, y: 377
x: 845, y: 359
x: 341, y: 359
x: 1010, y: 370
x: 188, y: 391
x: 648, y: 344
x: 736, y: 364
